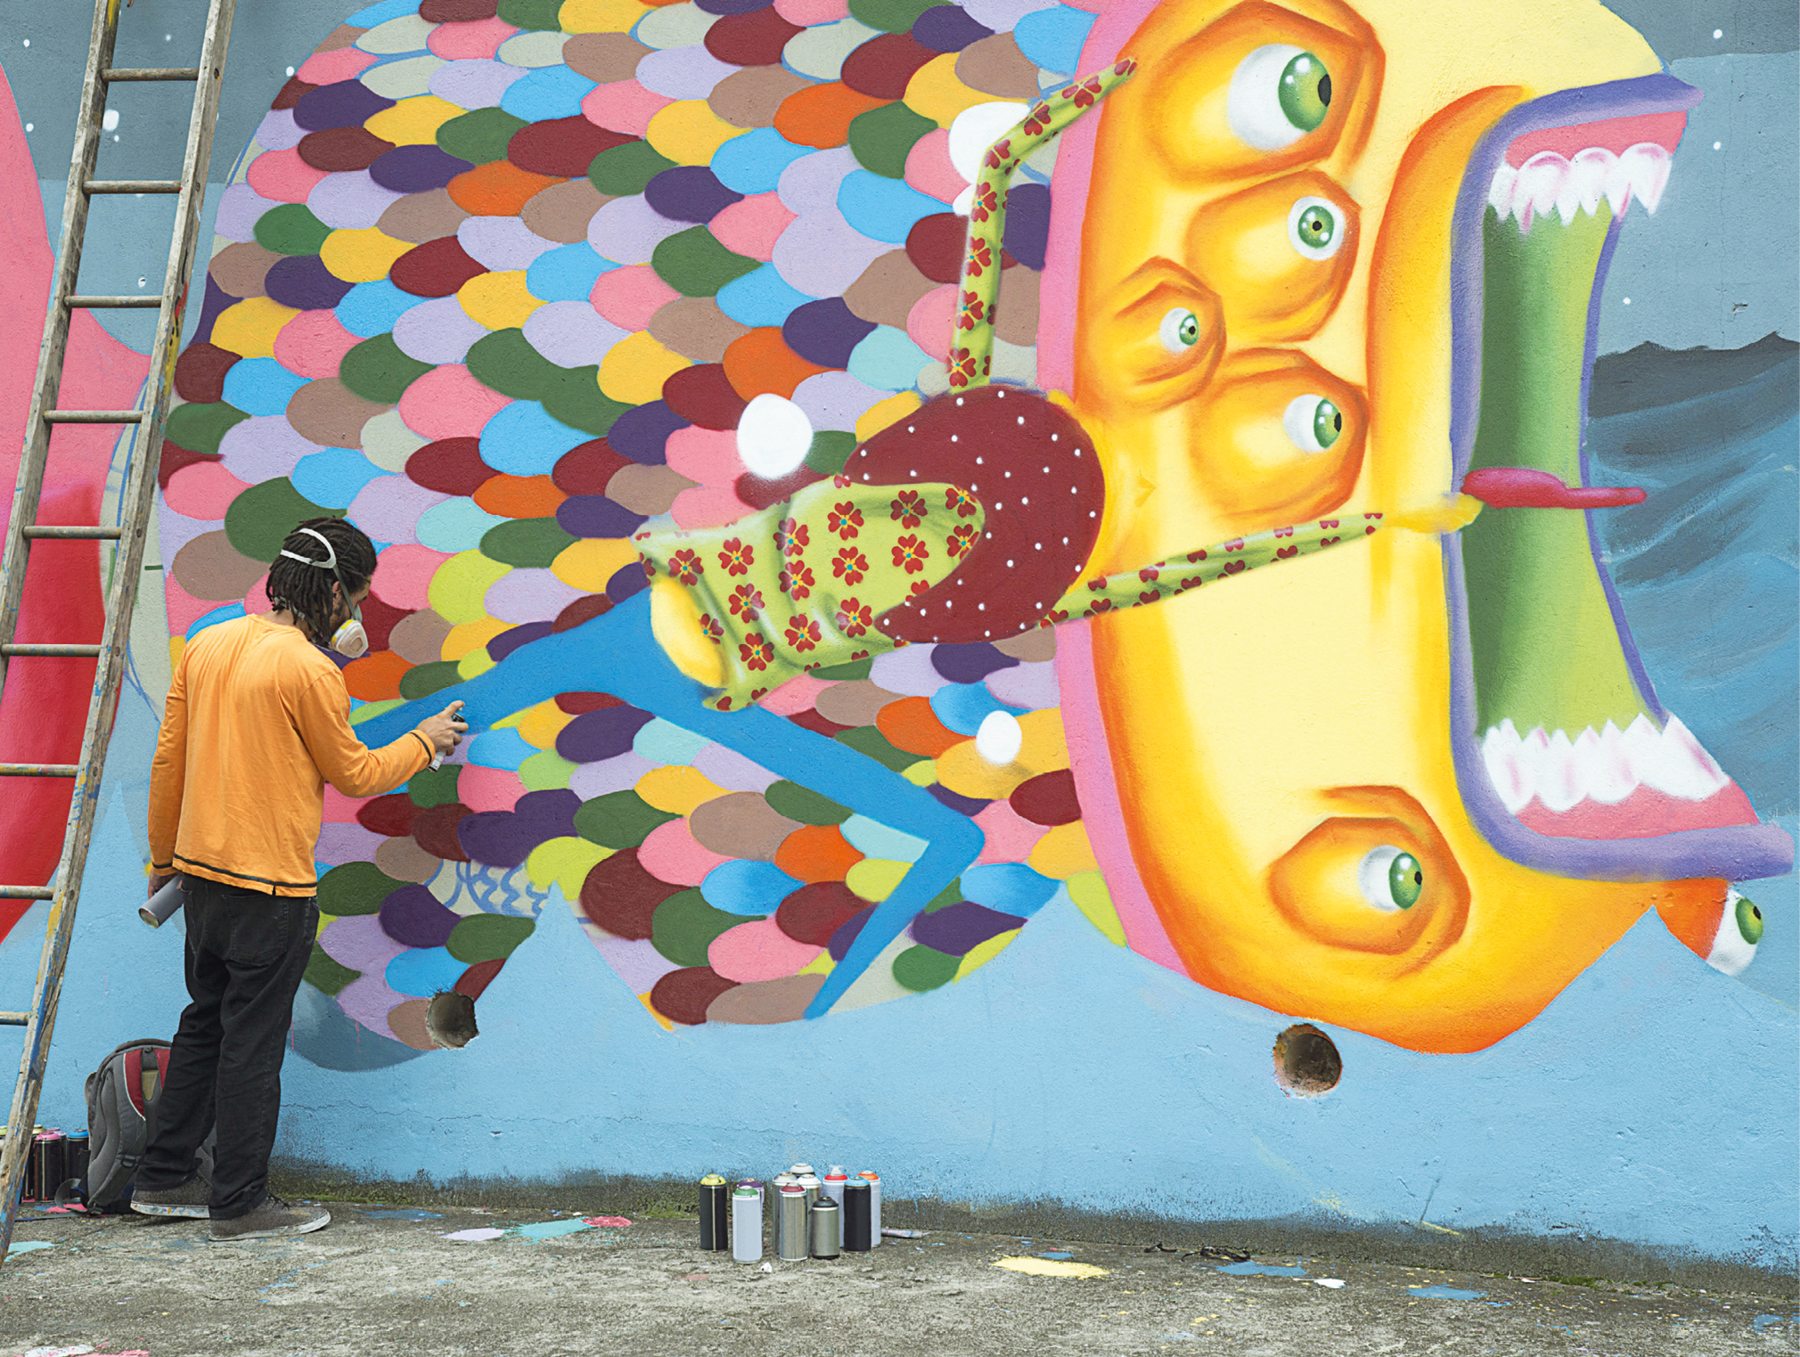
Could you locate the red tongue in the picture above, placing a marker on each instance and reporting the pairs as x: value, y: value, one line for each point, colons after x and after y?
x: 1518, y: 487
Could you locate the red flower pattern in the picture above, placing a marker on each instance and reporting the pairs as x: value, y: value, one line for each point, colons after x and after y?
x: 987, y: 202
x: 1284, y: 532
x: 737, y: 557
x: 973, y: 308
x: 746, y: 601
x: 910, y: 553
x: 850, y: 566
x: 845, y: 519
x: 980, y: 257
x: 961, y: 540
x: 801, y: 634
x: 711, y: 627
x: 797, y: 579
x: 909, y: 507
x: 960, y: 500
x: 686, y: 566
x: 1283, y: 553
x: 854, y: 619
x: 756, y: 650
x: 791, y: 537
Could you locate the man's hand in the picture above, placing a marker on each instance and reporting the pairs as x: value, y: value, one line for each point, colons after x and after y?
x: 158, y: 882
x: 446, y: 729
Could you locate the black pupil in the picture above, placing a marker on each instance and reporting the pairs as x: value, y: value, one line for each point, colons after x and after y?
x: 1325, y: 89
x: 1337, y: 422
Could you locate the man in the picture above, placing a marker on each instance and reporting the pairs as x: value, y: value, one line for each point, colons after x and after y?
x: 256, y: 722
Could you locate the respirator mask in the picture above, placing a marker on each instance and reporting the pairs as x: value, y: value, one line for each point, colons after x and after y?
x: 349, y: 640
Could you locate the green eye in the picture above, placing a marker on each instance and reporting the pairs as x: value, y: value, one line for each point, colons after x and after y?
x: 1749, y: 921
x: 1313, y: 422
x: 1179, y: 331
x: 1315, y: 227
x: 1305, y: 91
x: 1405, y: 880
x: 1390, y: 878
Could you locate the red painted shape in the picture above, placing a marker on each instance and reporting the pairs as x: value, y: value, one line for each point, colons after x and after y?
x: 45, y: 701
x: 1645, y: 814
x: 1519, y: 487
x: 1609, y: 134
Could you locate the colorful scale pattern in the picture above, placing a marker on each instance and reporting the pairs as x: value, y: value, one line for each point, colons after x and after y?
x: 495, y: 280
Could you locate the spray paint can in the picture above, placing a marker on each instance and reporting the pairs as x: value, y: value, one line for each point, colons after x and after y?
x: 835, y: 1178
x: 809, y: 1182
x: 755, y: 1183
x: 874, y: 1181
x: 825, y: 1232
x: 713, y: 1198
x: 857, y: 1238
x: 52, y: 1165
x: 791, y: 1241
x: 76, y: 1152
x: 746, y: 1225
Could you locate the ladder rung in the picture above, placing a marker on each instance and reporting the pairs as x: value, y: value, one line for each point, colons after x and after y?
x: 134, y: 303
x: 27, y: 892
x: 14, y: 1019
x: 133, y: 186
x: 38, y: 770
x: 93, y: 416
x: 151, y: 73
x: 51, y: 651
x: 74, y: 531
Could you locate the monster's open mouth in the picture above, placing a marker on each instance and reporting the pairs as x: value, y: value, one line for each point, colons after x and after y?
x: 1566, y: 758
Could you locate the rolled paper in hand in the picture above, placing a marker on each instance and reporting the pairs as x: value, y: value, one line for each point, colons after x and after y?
x: 157, y: 909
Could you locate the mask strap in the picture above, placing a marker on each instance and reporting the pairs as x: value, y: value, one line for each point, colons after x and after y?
x: 330, y: 561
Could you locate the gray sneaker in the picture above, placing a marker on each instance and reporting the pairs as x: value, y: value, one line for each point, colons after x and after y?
x: 186, y: 1199
x: 273, y: 1219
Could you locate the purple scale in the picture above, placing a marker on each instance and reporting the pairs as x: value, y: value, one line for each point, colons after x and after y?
x: 731, y: 6
x: 602, y: 734
x: 413, y: 915
x: 825, y: 332
x: 969, y: 664
x: 550, y: 812
x: 1028, y: 224
x: 956, y: 929
x: 416, y: 169
x: 642, y: 432
x: 508, y: 641
x: 217, y: 299
x: 948, y: 28
x: 349, y: 103
x: 626, y: 581
x: 596, y: 516
x: 240, y: 207
x: 303, y: 282
x: 689, y: 193
x: 847, y: 931
x: 962, y: 805
x: 505, y: 838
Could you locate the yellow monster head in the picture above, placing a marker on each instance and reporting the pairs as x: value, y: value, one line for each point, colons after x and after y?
x: 1333, y: 257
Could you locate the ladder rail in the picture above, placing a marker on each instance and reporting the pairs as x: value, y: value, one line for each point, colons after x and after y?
x: 139, y: 497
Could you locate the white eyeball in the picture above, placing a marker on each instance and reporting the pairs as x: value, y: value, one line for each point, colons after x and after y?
x: 1278, y: 94
x: 1316, y: 227
x: 1313, y: 423
x: 1179, y: 331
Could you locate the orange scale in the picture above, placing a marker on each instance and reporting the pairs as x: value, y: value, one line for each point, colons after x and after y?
x: 375, y: 678
x: 762, y: 362
x: 498, y: 189
x: 815, y: 853
x: 820, y: 115
x: 911, y: 725
x: 519, y: 496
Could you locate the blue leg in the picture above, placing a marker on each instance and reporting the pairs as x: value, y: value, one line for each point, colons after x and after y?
x: 617, y: 653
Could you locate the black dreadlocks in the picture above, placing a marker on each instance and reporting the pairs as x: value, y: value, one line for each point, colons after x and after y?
x: 305, y: 590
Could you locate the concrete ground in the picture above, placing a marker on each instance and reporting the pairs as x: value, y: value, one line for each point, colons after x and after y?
x: 384, y: 1281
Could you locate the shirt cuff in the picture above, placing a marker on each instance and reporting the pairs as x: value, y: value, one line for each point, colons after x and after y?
x: 430, y: 749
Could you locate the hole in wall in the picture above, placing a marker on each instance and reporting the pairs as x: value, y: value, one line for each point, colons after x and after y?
x: 1307, y: 1063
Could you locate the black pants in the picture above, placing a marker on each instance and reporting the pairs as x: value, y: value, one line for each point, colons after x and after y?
x: 246, y: 953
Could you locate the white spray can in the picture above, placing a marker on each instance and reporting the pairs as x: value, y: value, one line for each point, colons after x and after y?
x: 746, y: 1225
x: 833, y: 1187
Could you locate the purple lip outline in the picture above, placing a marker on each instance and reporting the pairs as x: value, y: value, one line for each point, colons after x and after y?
x: 1736, y: 852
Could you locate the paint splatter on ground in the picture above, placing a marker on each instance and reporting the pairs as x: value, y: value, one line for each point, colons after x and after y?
x: 1444, y: 1293
x: 1251, y: 1268
x: 1049, y: 1267
x: 28, y: 1245
x: 408, y: 1214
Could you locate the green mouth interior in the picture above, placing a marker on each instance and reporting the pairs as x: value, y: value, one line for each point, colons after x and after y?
x: 1546, y: 652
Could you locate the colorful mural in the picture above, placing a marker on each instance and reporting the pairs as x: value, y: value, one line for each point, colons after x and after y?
x: 695, y: 368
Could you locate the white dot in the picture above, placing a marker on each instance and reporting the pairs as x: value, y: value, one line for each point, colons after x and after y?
x: 115, y: 136
x: 110, y: 119
x: 1628, y: 301
x: 978, y: 461
x: 1717, y: 145
x: 290, y: 71
x: 953, y: 438
x: 981, y: 607
x: 168, y: 37
x: 1024, y: 499
x: 1717, y: 34
x: 28, y: 42
x: 959, y: 400
x: 1021, y: 419
x: 1009, y: 565
x: 773, y: 436
x: 999, y: 738
x: 1009, y: 475
x: 30, y: 127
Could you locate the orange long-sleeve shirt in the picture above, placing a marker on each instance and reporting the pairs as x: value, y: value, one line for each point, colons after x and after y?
x: 256, y: 722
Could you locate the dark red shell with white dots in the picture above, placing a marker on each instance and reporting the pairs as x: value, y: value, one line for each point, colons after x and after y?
x: 1038, y: 479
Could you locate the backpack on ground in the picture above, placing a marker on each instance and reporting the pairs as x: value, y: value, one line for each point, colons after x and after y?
x: 121, y: 1099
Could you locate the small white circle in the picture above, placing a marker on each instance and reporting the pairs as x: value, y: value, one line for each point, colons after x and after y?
x: 290, y: 71
x: 1717, y: 34
x: 773, y: 436
x: 110, y: 119
x: 1628, y: 301
x: 1717, y: 145
x: 999, y: 738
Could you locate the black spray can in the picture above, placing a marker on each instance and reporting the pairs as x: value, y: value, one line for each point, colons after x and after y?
x: 75, y: 1151
x: 823, y: 1228
x: 714, y: 1210
x: 858, y: 1218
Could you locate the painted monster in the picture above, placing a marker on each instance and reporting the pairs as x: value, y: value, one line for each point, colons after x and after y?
x: 1415, y: 790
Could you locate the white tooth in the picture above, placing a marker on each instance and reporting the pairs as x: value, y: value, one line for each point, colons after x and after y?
x: 1688, y: 770
x: 1500, y: 190
x: 1559, y: 785
x: 1642, y: 747
x: 1618, y: 184
x: 1540, y: 182
x: 1647, y: 165
x: 1500, y: 751
x: 1606, y: 773
x: 1590, y: 171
